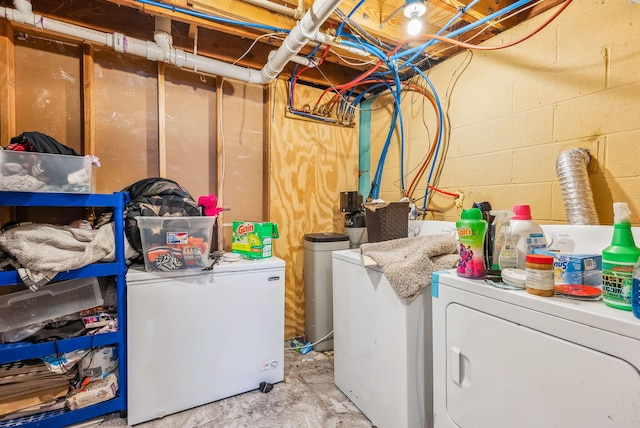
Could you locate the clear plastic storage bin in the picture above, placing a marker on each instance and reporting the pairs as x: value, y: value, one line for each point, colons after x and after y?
x: 49, y: 302
x: 44, y: 172
x: 174, y: 243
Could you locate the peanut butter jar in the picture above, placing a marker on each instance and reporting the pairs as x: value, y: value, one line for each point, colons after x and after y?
x: 539, y: 275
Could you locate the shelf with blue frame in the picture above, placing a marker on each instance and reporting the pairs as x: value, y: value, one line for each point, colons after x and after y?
x: 24, y: 350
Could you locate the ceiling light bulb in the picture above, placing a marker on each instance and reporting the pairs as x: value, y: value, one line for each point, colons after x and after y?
x: 414, y: 26
x: 415, y: 8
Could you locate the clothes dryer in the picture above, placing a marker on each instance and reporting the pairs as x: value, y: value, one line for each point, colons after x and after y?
x: 504, y: 359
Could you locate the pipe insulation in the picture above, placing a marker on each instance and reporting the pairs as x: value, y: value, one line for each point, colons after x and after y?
x: 305, y: 29
x: 571, y: 167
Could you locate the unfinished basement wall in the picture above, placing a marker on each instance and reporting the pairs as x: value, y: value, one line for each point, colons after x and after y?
x: 310, y: 164
x: 512, y: 111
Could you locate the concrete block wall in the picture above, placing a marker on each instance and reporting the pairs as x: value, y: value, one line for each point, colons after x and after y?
x: 512, y: 111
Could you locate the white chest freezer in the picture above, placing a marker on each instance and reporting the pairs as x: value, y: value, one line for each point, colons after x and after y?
x: 196, y: 336
x: 504, y: 359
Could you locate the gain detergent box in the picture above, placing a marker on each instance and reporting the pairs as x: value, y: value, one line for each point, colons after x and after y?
x: 253, y: 240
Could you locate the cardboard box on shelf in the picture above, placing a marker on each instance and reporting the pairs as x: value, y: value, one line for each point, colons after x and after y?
x: 95, y: 392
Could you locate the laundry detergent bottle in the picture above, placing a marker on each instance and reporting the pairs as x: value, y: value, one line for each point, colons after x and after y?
x: 618, y: 260
x: 472, y: 229
x: 526, y: 233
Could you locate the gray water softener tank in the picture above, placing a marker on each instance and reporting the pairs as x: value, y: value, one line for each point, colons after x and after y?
x: 318, y: 285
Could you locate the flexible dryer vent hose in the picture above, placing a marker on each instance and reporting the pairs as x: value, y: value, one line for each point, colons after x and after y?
x: 571, y: 167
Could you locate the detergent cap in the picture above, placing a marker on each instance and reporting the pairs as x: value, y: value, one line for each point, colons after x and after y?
x: 521, y: 212
x: 621, y: 213
x: 471, y: 214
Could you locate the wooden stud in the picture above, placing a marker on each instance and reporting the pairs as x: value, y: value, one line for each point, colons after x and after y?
x: 162, y: 121
x: 7, y: 98
x: 220, y: 161
x: 7, y: 85
x: 89, y: 121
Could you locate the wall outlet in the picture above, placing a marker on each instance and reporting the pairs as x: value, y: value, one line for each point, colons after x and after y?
x: 269, y: 365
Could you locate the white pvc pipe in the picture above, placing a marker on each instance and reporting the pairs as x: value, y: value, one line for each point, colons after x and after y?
x: 306, y: 29
x: 162, y: 33
x: 298, y: 60
x: 285, y: 10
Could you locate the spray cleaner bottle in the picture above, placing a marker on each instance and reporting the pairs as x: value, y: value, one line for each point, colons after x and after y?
x: 499, y: 227
x: 618, y: 260
x: 508, y: 258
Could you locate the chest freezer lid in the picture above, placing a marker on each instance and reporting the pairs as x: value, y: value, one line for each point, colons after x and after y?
x: 138, y: 273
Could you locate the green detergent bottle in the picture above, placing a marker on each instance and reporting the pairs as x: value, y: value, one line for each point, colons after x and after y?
x: 618, y: 260
x: 471, y: 228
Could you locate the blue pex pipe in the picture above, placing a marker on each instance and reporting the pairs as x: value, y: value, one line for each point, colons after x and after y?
x: 211, y: 17
x: 464, y: 29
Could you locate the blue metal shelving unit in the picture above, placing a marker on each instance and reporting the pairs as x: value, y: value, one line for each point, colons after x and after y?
x: 22, y: 350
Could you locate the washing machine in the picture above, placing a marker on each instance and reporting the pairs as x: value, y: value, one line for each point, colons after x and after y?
x: 382, y: 345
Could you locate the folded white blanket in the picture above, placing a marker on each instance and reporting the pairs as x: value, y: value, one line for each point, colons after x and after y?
x: 408, y: 262
x: 43, y: 250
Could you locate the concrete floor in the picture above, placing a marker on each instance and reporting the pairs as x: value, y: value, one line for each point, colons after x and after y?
x: 307, y: 398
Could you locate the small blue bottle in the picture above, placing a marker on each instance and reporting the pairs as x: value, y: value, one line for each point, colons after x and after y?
x: 635, y: 290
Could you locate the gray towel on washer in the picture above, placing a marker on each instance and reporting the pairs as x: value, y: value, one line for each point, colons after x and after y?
x: 408, y: 262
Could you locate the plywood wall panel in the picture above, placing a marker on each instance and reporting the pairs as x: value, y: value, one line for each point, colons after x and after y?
x: 242, y: 143
x: 7, y: 85
x: 49, y: 76
x: 126, y: 120
x: 311, y: 163
x: 190, y: 127
x: 7, y: 98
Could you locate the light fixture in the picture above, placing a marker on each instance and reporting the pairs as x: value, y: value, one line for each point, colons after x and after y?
x: 414, y: 9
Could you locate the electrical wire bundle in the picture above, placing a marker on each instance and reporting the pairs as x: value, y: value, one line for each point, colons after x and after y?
x: 395, y: 71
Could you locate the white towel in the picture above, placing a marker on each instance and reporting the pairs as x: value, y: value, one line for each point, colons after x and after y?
x: 408, y: 262
x: 44, y: 249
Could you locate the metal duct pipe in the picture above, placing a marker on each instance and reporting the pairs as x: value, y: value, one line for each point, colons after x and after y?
x: 333, y: 41
x: 305, y: 29
x: 571, y: 167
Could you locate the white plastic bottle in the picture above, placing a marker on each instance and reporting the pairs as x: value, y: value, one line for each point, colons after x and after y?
x: 526, y: 233
x: 498, y: 231
x: 508, y: 258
